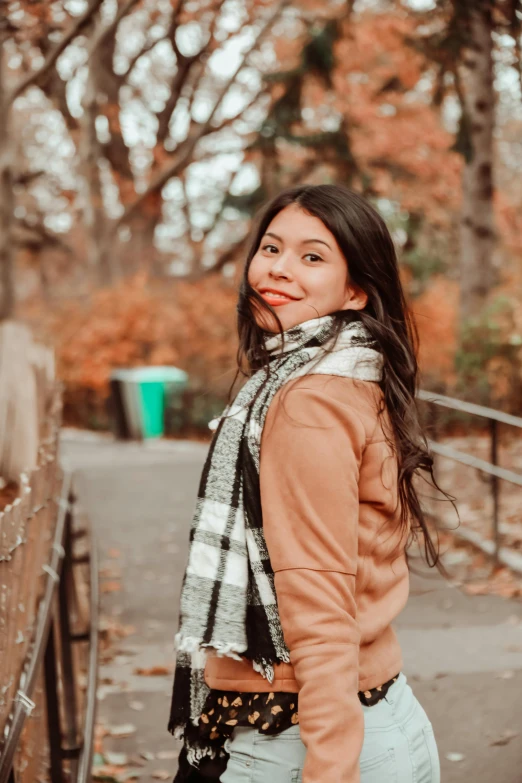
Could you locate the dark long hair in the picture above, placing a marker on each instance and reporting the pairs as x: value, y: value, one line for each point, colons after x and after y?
x: 368, y: 248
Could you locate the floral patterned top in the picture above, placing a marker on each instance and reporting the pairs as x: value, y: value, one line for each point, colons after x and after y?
x: 270, y: 713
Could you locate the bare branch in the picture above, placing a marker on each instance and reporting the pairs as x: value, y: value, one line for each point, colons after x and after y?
x: 266, y: 27
x: 198, y: 132
x: 228, y: 255
x: 173, y: 26
x: 231, y: 120
x: 199, y: 244
x: 26, y: 177
x: 36, y: 235
x: 178, y: 82
x: 105, y: 32
x: 185, y: 70
x: 54, y: 54
x: 186, y: 203
x: 146, y: 49
x: 213, y: 24
x: 211, y: 154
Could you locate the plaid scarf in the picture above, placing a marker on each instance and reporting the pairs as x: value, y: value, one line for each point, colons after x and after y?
x: 228, y: 599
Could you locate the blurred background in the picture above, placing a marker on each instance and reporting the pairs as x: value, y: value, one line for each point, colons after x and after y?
x: 138, y: 138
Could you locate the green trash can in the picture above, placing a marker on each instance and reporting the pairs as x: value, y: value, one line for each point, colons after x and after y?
x: 154, y: 385
x: 143, y: 396
x: 126, y: 405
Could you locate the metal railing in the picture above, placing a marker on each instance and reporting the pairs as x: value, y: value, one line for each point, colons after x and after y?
x: 492, y: 469
x: 53, y: 655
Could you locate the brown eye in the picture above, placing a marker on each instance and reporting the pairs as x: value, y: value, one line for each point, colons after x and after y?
x: 270, y: 248
x: 313, y: 257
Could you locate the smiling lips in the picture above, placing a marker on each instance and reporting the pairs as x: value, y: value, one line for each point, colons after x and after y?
x: 275, y: 298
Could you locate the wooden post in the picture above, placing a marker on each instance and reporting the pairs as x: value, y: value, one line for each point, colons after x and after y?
x: 7, y: 295
x: 493, y: 428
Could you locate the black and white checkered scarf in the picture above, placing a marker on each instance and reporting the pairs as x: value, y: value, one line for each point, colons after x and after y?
x: 228, y: 600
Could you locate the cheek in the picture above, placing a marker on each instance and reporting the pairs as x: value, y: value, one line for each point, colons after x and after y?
x: 255, y: 270
x: 337, y: 287
x: 325, y: 285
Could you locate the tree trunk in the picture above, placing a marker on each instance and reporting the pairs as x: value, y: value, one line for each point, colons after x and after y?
x: 140, y: 251
x: 98, y: 257
x: 477, y: 232
x: 7, y: 300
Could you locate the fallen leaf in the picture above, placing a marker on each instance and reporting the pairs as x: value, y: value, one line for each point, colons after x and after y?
x: 136, y: 761
x: 116, y: 759
x: 481, y: 588
x: 125, y: 730
x: 121, y: 659
x: 167, y: 754
x: 507, y: 675
x: 515, y: 648
x: 105, y: 690
x: 506, y: 737
x: 153, y: 671
x: 455, y: 756
x: 136, y: 705
x: 147, y: 755
x: 110, y: 587
x: 99, y: 733
x: 507, y: 591
x: 114, y: 553
x: 161, y: 774
x: 110, y: 572
x: 112, y: 774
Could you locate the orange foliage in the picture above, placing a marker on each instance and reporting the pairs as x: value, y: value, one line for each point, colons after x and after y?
x: 140, y: 322
x: 436, y: 314
x: 396, y: 134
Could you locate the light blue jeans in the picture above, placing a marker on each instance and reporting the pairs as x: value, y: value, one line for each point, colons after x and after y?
x: 399, y: 747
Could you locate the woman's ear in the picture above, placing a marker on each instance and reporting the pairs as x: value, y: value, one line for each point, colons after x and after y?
x: 355, y: 299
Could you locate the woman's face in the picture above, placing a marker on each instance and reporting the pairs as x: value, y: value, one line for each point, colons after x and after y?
x: 300, y: 269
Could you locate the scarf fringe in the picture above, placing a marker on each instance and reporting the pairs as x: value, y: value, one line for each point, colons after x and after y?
x: 194, y: 755
x: 191, y: 644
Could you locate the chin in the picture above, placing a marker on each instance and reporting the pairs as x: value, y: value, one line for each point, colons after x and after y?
x: 267, y: 322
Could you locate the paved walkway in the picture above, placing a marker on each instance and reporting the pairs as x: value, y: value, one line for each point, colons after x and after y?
x: 463, y: 655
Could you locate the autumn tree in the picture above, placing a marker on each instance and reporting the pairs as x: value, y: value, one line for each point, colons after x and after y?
x: 302, y: 137
x: 348, y: 105
x: 144, y: 92
x: 462, y: 39
x: 10, y: 90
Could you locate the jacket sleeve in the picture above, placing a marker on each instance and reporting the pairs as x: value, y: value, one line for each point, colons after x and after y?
x: 311, y: 451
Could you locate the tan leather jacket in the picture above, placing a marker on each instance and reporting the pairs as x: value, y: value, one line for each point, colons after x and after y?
x: 329, y: 496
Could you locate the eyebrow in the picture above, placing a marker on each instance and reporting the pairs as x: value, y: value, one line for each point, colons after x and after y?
x: 305, y: 241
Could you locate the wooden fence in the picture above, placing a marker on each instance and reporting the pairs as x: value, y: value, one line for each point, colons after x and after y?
x: 48, y: 619
x: 493, y: 473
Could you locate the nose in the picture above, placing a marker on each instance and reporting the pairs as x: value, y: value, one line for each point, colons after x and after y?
x: 280, y: 268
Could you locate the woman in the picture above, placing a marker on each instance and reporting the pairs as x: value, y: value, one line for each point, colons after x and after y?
x: 288, y: 668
